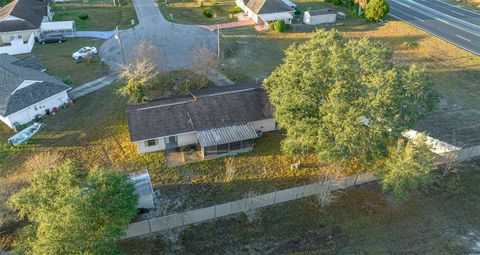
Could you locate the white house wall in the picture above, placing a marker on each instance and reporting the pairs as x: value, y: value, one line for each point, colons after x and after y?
x: 143, y: 148
x: 191, y: 138
x: 18, y: 46
x: 319, y: 19
x: 264, y: 125
x: 28, y: 114
x: 187, y: 139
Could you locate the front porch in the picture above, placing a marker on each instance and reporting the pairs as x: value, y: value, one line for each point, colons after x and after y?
x: 212, y: 143
x: 177, y: 158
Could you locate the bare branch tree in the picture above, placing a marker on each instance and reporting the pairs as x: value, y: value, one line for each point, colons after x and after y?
x: 147, y: 62
x: 230, y: 169
x: 138, y: 76
x: 327, y: 179
x: 148, y: 50
x: 204, y: 61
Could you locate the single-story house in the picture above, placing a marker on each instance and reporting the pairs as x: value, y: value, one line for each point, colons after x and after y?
x: 21, y: 21
x: 26, y: 91
x: 217, y: 121
x: 315, y: 17
x: 267, y: 11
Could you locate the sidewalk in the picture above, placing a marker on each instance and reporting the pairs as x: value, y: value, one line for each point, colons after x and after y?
x: 92, y: 86
x: 241, y: 23
x: 94, y: 34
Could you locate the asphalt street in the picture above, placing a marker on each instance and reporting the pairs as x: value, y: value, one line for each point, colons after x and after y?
x: 453, y: 24
x: 176, y: 41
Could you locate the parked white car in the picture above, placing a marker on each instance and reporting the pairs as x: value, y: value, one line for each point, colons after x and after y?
x: 84, y: 52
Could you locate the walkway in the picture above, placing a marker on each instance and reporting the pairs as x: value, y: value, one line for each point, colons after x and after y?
x: 95, y: 34
x: 241, y: 23
x: 92, y: 86
x: 176, y: 41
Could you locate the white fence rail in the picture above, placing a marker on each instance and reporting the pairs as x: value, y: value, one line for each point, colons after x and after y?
x: 244, y: 205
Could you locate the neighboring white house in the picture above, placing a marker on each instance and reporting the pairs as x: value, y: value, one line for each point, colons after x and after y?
x: 26, y: 91
x: 267, y: 11
x: 315, y: 17
x: 217, y: 121
x: 20, y: 23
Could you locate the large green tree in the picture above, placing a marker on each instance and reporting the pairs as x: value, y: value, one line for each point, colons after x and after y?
x: 376, y: 10
x: 345, y: 100
x: 73, y: 212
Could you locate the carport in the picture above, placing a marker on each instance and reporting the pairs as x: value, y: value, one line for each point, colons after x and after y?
x: 64, y: 27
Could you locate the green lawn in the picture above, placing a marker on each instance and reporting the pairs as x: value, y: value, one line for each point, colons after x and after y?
x: 362, y: 220
x: 57, y: 59
x: 102, y: 18
x: 473, y: 5
x: 190, y: 12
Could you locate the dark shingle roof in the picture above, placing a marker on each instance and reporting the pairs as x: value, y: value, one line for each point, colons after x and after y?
x: 30, y: 62
x: 268, y: 6
x: 30, y: 11
x: 13, y: 74
x: 32, y: 94
x: 202, y: 110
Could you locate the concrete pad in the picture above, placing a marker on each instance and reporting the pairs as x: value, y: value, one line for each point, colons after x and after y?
x: 137, y: 229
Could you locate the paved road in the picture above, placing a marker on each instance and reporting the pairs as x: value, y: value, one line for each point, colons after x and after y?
x: 175, y: 40
x: 450, y: 23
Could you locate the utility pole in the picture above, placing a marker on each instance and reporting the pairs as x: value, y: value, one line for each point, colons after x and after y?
x: 218, y: 42
x: 117, y: 37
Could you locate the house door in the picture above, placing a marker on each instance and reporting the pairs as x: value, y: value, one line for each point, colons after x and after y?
x: 172, y: 142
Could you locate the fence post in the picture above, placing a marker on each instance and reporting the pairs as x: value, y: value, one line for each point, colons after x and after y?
x: 303, y: 190
x: 274, y: 196
x: 355, y: 182
x: 214, y: 210
x: 183, y: 218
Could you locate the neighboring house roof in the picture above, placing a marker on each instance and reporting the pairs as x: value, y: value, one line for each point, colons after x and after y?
x: 267, y: 6
x: 13, y: 73
x: 30, y: 62
x: 30, y: 15
x: 320, y: 12
x: 201, y: 110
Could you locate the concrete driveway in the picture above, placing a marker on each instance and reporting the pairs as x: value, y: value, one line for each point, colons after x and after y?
x: 175, y: 40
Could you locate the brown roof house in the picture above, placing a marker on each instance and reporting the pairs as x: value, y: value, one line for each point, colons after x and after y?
x: 20, y: 23
x: 217, y: 121
x: 267, y: 11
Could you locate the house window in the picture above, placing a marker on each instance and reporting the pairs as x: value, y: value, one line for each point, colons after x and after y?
x: 222, y: 148
x: 247, y: 143
x: 235, y: 146
x: 150, y: 143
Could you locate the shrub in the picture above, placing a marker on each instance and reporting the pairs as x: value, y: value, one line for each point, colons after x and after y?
x: 68, y: 80
x: 376, y: 10
x: 335, y: 2
x: 83, y: 16
x: 278, y: 26
x: 207, y: 12
x: 411, y: 44
x: 235, y: 10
